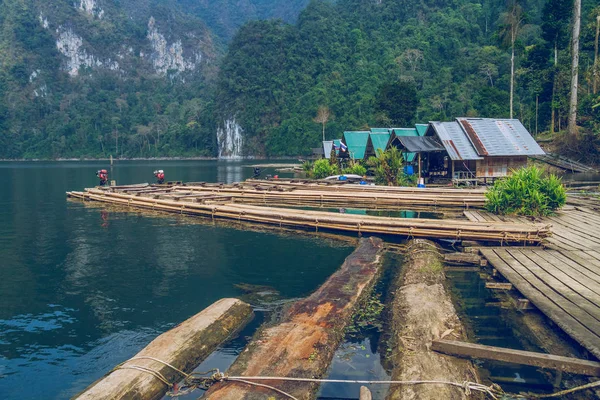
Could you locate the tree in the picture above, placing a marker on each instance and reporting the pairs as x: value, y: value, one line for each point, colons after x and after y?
x: 489, y: 70
x: 555, y: 30
x: 510, y: 32
x: 596, y: 64
x: 412, y: 57
x: 323, y: 116
x: 398, y: 101
x: 572, y: 128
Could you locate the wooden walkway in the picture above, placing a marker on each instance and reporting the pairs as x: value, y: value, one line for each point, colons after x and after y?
x: 562, y: 278
x: 573, y: 228
x: 564, y: 285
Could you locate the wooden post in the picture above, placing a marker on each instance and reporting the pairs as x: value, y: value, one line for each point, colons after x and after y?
x: 471, y: 350
x: 184, y: 347
x: 419, y: 158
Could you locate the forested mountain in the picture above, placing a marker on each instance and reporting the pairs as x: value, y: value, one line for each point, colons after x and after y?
x: 361, y: 58
x: 140, y: 78
x: 128, y: 78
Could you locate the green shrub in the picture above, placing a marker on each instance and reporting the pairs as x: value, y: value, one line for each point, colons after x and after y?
x: 322, y: 169
x: 526, y: 192
x: 355, y: 168
x: 388, y: 168
x: 307, y: 166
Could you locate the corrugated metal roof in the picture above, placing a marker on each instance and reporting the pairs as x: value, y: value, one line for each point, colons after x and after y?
x: 356, y: 142
x: 421, y: 129
x: 454, y: 140
x: 421, y: 144
x: 500, y: 137
x: 379, y: 140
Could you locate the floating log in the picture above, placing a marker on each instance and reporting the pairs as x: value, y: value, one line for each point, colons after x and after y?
x: 525, y: 233
x: 422, y: 311
x: 464, y: 258
x: 471, y: 350
x: 184, y: 347
x: 365, y: 394
x: 303, y: 344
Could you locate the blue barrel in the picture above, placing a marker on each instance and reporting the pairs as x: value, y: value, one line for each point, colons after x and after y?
x: 409, y: 170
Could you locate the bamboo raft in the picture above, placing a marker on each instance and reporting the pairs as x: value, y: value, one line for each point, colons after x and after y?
x: 253, y: 192
x: 522, y: 233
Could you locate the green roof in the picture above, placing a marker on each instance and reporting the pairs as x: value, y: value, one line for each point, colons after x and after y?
x: 380, y: 130
x: 357, y: 143
x: 380, y: 140
x: 421, y: 128
x: 405, y: 131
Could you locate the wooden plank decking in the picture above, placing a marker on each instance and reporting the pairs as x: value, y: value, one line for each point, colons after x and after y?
x: 573, y: 228
x: 561, y: 284
x: 562, y: 280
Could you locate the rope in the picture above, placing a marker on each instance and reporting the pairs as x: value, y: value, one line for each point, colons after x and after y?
x: 202, y: 380
x: 265, y: 386
x: 156, y: 374
x: 160, y: 361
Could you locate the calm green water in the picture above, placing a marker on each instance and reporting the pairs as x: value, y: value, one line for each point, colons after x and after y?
x: 84, y: 288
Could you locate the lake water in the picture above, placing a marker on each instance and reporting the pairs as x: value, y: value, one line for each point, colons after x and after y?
x: 84, y: 288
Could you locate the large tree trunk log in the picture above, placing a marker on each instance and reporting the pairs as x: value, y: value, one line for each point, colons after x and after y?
x: 303, y: 344
x: 422, y: 311
x: 184, y: 347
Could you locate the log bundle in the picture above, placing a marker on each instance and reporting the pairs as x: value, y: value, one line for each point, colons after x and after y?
x: 522, y: 233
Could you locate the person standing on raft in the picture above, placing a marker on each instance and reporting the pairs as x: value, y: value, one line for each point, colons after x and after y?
x: 103, y: 176
x: 160, y: 176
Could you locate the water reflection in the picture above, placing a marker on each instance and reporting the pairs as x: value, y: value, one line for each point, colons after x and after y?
x: 84, y: 288
x: 229, y: 171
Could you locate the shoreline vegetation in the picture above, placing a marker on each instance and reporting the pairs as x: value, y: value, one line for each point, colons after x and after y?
x: 200, y: 158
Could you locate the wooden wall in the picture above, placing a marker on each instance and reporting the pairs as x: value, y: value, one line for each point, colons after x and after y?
x: 496, y: 167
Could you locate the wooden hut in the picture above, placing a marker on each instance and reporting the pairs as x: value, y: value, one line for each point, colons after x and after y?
x: 378, y: 140
x: 397, y: 133
x: 470, y: 149
x: 356, y: 142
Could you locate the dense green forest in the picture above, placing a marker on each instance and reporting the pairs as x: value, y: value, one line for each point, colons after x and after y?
x: 142, y: 78
x: 353, y: 56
